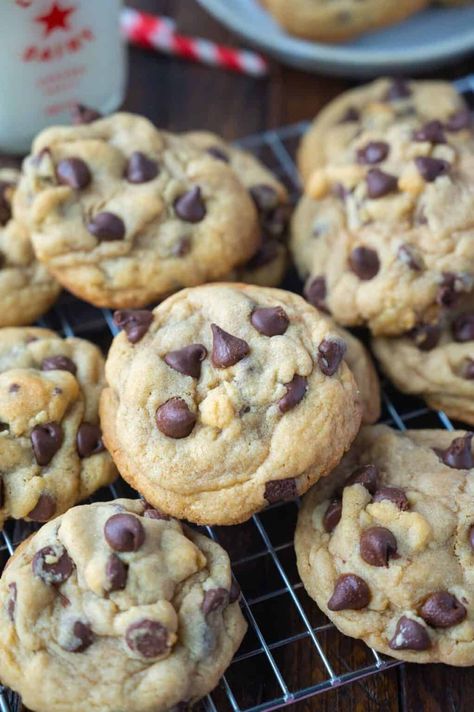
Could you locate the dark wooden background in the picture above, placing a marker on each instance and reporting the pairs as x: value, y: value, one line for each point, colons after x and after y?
x: 179, y: 96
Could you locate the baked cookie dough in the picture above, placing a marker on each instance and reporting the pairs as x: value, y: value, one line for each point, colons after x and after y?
x: 227, y: 398
x: 114, y: 606
x: 385, y: 545
x: 51, y: 450
x: 123, y: 214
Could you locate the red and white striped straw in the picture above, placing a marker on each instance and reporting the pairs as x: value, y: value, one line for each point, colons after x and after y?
x: 159, y: 33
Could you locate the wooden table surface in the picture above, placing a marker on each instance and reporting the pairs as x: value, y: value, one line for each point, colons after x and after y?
x: 178, y: 95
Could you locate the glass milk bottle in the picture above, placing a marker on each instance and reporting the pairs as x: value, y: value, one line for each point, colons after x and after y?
x: 53, y: 55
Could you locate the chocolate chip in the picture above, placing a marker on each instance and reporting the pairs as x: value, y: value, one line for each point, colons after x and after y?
x: 187, y: 360
x: 46, y: 440
x: 44, y: 509
x: 410, y: 635
x: 364, y: 262
x: 107, y: 227
x: 449, y: 290
x: 59, y: 363
x: 148, y: 638
x: 470, y: 536
x: 380, y: 183
x: 227, y: 350
x: 4, y: 427
x: 426, y: 336
x: 217, y: 152
x: 140, y: 168
x: 463, y: 328
x: 280, y: 490
x: 431, y: 168
x: 135, y: 322
x: 350, y: 592
x: 373, y: 152
x: 377, y: 546
x: 11, y: 601
x: 315, y: 293
x: 266, y: 253
x: 124, y: 532
x: 174, y: 418
x: 52, y: 564
x: 73, y: 172
x: 468, y: 370
x: 350, y: 116
x: 182, y: 247
x: 366, y: 475
x: 265, y: 198
x: 234, y: 593
x: 460, y: 120
x: 190, y: 206
x: 398, y: 89
x: 433, y: 132
x: 442, y: 610
x: 459, y: 454
x: 394, y: 495
x: 116, y: 572
x: 84, y: 114
x: 295, y: 391
x: 82, y: 637
x: 409, y: 256
x: 5, y: 205
x: 332, y: 515
x: 330, y: 354
x: 89, y: 440
x: 3, y: 259
x: 214, y: 599
x: 271, y: 321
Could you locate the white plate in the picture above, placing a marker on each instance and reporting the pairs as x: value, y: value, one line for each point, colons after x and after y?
x: 427, y: 40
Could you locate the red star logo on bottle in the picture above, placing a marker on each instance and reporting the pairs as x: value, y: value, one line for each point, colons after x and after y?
x: 56, y: 19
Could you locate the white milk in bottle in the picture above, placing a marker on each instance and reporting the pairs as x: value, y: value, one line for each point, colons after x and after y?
x: 53, y: 55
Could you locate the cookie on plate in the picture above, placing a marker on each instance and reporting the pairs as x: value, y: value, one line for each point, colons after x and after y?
x: 27, y: 290
x: 339, y: 20
x: 51, y: 450
x: 227, y: 398
x: 435, y: 361
x: 385, y: 545
x: 123, y: 214
x: 114, y: 606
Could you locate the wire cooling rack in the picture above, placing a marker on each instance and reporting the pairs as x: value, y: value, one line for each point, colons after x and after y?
x: 286, y: 629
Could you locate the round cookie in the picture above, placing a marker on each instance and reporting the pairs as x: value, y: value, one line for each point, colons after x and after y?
x: 123, y: 214
x: 27, y: 290
x: 51, y: 451
x: 376, y: 106
x: 113, y: 606
x: 391, y: 561
x: 227, y: 398
x: 341, y: 19
x: 268, y: 266
x: 436, y: 362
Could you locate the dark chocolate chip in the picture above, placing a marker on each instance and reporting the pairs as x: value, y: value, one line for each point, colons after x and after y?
x: 426, y: 336
x: 124, y: 532
x: 332, y: 515
x: 271, y: 321
x: 377, y: 546
x: 174, y: 418
x: 463, y: 328
x: 140, y: 168
x: 470, y: 536
x: 219, y: 153
x: 449, y: 290
x: 431, y: 168
x: 380, y: 183
x: 459, y: 454
x: 135, y: 322
x: 468, y: 370
x: 330, y: 354
x: 366, y: 475
x: 280, y: 490
x: 190, y: 206
x: 5, y: 204
x: 350, y: 116
x: 315, y: 292
x: 116, y: 572
x: 265, y: 198
x: 73, y: 172
x: 107, y: 227
x: 234, y: 593
x: 84, y: 114
x: 46, y: 440
x: 394, y: 495
x: 59, y: 363
x: 373, y: 152
x: 433, y: 132
x: 442, y: 610
x: 187, y: 360
x: 227, y: 350
x: 11, y: 601
x: 295, y: 391
x: 214, y: 599
x: 350, y: 593
x: 460, y: 120
x: 52, y: 564
x: 182, y: 247
x: 266, y: 253
x: 89, y: 440
x: 364, y: 262
x: 409, y: 256
x: 148, y: 638
x: 44, y: 509
x: 398, y: 89
x: 410, y: 635
x: 82, y: 638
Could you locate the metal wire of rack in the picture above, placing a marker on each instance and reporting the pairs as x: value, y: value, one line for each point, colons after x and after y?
x: 284, y: 624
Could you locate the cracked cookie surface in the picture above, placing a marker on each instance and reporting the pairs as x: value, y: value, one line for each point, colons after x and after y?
x: 117, y: 582
x: 226, y: 398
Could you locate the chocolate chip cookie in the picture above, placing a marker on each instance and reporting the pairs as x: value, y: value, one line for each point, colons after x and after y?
x: 360, y: 363
x: 51, y: 450
x: 114, y: 606
x: 27, y: 290
x: 385, y: 545
x: 123, y: 214
x: 227, y: 398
